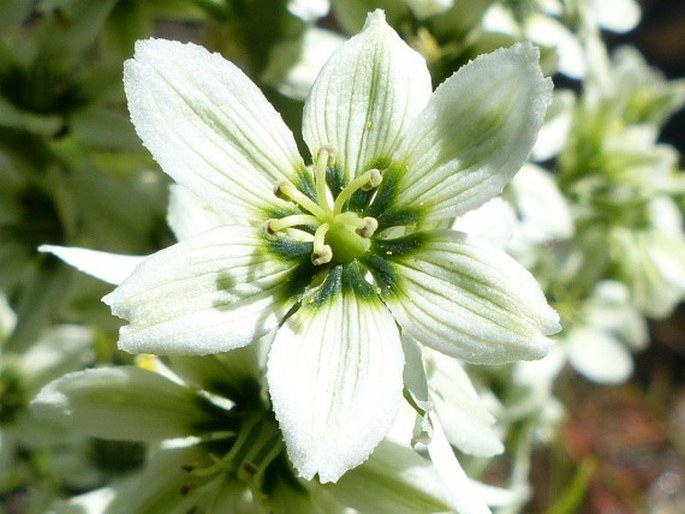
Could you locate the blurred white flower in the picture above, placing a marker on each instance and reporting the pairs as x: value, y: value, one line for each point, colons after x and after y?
x: 603, y: 334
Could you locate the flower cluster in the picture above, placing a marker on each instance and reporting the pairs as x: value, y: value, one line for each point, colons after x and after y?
x: 381, y: 217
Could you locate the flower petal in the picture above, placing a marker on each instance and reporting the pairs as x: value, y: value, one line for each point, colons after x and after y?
x: 465, y: 497
x: 108, y: 267
x: 467, y: 423
x: 335, y: 376
x: 547, y: 31
x: 474, y: 134
x: 188, y: 215
x: 210, y: 293
x: 123, y: 403
x: 493, y: 222
x: 617, y: 15
x: 208, y: 125
x: 467, y: 299
x: 395, y: 480
x: 365, y: 96
x: 599, y: 356
x: 294, y: 64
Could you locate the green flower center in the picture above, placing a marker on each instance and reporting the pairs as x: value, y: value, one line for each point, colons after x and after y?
x: 339, y: 236
x: 255, y: 447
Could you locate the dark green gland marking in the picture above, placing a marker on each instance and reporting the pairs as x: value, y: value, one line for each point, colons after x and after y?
x: 343, y: 279
x: 384, y: 275
x: 331, y: 286
x: 381, y: 208
x: 353, y: 281
x: 401, y: 246
x: 288, y: 249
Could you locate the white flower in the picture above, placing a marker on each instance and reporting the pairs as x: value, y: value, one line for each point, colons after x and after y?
x: 218, y: 445
x: 425, y: 8
x: 294, y: 64
x: 309, y: 10
x: 606, y: 329
x: 614, y: 15
x: 340, y: 257
x: 543, y: 214
x: 651, y: 259
x: 537, y: 22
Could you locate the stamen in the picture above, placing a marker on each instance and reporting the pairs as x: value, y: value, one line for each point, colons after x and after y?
x: 375, y: 179
x: 369, y: 227
x: 320, y: 179
x: 294, y: 220
x: 286, y: 191
x: 366, y: 181
x: 321, y: 252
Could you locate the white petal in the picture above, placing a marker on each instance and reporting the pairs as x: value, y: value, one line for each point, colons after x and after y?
x: 188, y: 215
x: 425, y: 8
x: 554, y: 133
x: 498, y: 18
x: 467, y: 423
x: 8, y: 319
x: 474, y: 134
x: 395, y: 480
x: 544, y: 214
x: 309, y: 10
x: 365, y: 96
x: 295, y: 64
x: 108, y: 267
x: 96, y: 501
x: 610, y: 309
x: 211, y: 293
x: 335, y: 378
x: 599, y: 356
x: 547, y: 31
x: 469, y: 300
x: 465, y: 498
x: 57, y: 351
x: 123, y: 403
x: 617, y: 15
x: 208, y: 125
x: 493, y: 222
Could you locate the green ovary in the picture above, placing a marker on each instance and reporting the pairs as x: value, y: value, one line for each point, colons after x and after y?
x: 346, y: 244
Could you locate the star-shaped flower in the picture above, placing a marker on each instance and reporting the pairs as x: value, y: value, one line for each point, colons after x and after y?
x: 340, y: 257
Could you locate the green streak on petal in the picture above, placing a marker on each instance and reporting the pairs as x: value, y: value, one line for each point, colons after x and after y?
x: 400, y: 247
x: 288, y: 249
x: 303, y: 181
x: 331, y: 286
x: 353, y: 281
x: 382, y: 255
x: 342, y: 279
x: 302, y: 275
x: 381, y: 207
x: 360, y: 201
x: 385, y: 193
x: 335, y: 180
x: 383, y: 273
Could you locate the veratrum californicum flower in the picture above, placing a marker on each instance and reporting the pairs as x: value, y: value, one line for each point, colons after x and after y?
x: 342, y: 257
